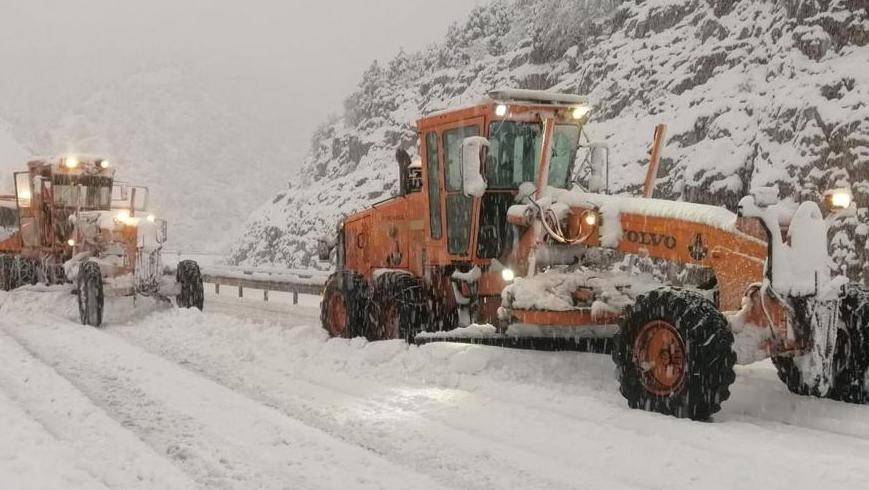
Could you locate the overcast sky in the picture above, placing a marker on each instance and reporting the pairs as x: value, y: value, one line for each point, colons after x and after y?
x: 288, y: 62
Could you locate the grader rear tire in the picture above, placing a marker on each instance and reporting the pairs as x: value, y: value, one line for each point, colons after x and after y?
x: 342, y: 311
x: 90, y: 294
x: 674, y: 355
x: 7, y: 276
x: 851, y: 358
x: 189, y: 277
x: 26, y: 271
x: 397, y: 309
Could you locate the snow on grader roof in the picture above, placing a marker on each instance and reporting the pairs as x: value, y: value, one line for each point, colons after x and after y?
x: 537, y: 96
x: 714, y: 216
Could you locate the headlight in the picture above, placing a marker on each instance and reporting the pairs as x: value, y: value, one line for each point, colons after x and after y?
x: 124, y: 217
x: 580, y: 112
x: 501, y: 110
x: 508, y: 275
x: 104, y: 164
x: 71, y: 162
x: 151, y: 218
x: 70, y: 242
x: 591, y: 219
x: 841, y: 198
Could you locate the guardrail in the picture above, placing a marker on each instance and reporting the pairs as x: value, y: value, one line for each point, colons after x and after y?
x: 290, y: 281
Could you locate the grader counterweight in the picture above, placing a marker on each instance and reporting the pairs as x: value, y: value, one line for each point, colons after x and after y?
x: 510, y: 233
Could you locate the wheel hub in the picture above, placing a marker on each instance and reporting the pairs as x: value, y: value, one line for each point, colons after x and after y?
x: 390, y: 322
x: 338, y: 316
x: 660, y: 357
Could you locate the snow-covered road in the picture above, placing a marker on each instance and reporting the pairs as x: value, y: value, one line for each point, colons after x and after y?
x: 253, y: 395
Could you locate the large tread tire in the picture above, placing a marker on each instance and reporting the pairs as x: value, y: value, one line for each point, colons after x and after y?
x: 851, y: 359
x: 342, y: 310
x: 7, y: 276
x: 26, y: 271
x: 189, y: 278
x: 398, y: 308
x: 90, y: 294
x: 699, y: 351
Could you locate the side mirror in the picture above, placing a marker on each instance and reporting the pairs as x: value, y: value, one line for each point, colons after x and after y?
x: 120, y: 192
x: 473, y: 183
x: 599, y: 158
x: 163, y: 234
x: 324, y: 248
x: 139, y: 200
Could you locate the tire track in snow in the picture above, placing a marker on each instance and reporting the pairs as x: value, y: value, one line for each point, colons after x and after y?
x: 99, y: 445
x: 219, y: 437
x: 533, y: 445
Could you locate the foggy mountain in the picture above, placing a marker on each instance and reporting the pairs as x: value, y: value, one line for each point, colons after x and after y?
x: 754, y: 93
x: 209, y: 103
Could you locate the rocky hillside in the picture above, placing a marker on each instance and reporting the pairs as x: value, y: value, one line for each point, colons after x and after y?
x: 754, y: 92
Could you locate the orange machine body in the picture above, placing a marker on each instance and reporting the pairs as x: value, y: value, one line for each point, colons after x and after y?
x: 410, y: 232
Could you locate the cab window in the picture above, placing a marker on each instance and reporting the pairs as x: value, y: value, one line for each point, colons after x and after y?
x: 514, y: 151
x: 565, y: 140
x: 434, y: 183
x: 459, y: 206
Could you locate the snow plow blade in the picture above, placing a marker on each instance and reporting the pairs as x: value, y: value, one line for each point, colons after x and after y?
x: 550, y: 344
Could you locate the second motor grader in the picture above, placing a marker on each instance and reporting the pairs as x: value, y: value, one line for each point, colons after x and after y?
x: 76, y: 224
x: 494, y: 238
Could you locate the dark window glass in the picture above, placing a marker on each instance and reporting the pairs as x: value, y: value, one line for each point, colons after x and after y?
x: 434, y: 190
x: 458, y: 222
x: 565, y: 139
x: 514, y: 152
x: 496, y: 236
x: 459, y: 206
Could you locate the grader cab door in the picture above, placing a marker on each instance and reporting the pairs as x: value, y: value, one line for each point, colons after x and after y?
x: 27, y: 222
x: 459, y: 207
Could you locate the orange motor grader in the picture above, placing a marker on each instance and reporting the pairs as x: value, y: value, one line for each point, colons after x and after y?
x: 505, y: 229
x: 76, y: 224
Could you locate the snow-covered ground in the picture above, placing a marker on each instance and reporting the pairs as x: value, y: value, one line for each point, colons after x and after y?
x: 253, y: 395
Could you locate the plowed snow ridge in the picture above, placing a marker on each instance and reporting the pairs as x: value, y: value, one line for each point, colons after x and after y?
x: 248, y: 395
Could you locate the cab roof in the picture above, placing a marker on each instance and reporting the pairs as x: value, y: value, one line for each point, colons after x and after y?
x: 519, y: 100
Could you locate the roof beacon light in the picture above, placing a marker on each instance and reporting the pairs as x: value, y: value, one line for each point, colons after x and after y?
x: 581, y: 111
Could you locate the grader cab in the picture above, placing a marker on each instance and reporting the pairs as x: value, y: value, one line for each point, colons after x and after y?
x: 76, y: 224
x: 513, y: 235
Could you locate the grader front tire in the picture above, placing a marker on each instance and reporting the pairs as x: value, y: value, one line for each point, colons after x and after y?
x: 674, y: 355
x: 90, y: 294
x: 851, y: 357
x: 189, y: 278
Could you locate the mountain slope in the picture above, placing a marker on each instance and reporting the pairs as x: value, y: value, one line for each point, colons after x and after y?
x: 754, y: 93
x: 12, y: 157
x: 201, y: 160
